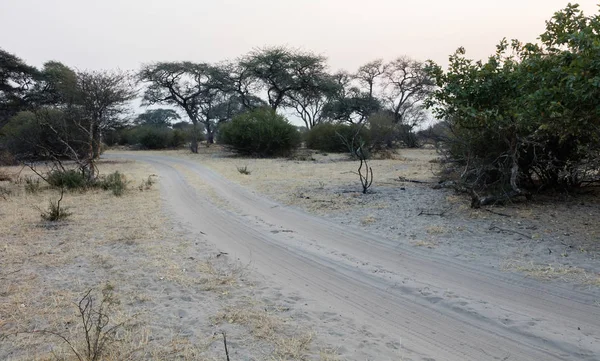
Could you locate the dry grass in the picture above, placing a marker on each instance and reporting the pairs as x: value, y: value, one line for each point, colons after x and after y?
x: 289, y: 343
x: 329, y: 355
x: 368, y: 220
x: 47, y: 267
x: 436, y: 230
x: 306, y: 184
x: 553, y: 272
x: 425, y: 244
x: 128, y: 242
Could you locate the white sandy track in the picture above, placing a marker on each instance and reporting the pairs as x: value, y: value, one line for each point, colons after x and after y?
x: 435, y: 307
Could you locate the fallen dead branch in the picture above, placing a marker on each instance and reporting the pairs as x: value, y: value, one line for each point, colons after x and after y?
x: 498, y: 213
x: 404, y: 179
x: 492, y: 227
x: 427, y: 213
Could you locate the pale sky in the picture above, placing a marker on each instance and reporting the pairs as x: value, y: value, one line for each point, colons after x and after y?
x: 124, y: 34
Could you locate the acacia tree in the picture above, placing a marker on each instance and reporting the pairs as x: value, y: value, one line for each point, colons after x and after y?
x: 279, y: 72
x: 161, y: 118
x: 103, y: 99
x: 178, y: 84
x: 349, y: 104
x: 18, y: 86
x: 201, y: 90
x: 356, y: 99
x: 368, y: 74
x: 237, y: 81
x: 309, y: 103
x: 406, y: 85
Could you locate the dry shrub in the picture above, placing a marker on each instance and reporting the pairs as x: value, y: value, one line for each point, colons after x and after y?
x: 5, y: 177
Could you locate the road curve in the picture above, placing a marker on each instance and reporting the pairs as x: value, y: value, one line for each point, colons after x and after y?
x: 439, y: 307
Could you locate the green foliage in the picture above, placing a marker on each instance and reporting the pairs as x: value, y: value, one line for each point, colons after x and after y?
x: 286, y: 74
x: 72, y: 179
x: 330, y: 137
x: 261, y: 132
x: 151, y: 137
x: 114, y: 182
x: 529, y: 117
x: 161, y: 118
x: 383, y: 132
x: 29, y: 135
x: 16, y: 93
x: 67, y: 179
x: 354, y: 107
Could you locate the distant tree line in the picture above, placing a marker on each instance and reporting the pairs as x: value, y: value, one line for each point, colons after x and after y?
x: 296, y: 81
x: 58, y: 112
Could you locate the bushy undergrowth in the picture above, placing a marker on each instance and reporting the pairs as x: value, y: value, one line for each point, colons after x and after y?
x: 261, y: 132
x: 150, y: 137
x: 72, y: 179
x: 528, y: 118
x: 68, y: 179
x: 329, y: 137
x: 114, y: 182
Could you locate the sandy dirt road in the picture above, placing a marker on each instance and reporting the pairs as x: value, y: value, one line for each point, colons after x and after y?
x: 402, y: 303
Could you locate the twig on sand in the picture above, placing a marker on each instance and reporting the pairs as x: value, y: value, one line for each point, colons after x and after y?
x: 498, y: 213
x: 225, y: 344
x: 426, y: 213
x: 404, y: 179
x: 492, y: 227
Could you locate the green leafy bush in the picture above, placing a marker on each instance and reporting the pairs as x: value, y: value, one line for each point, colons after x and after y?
x: 147, y: 137
x: 67, y: 179
x: 153, y: 138
x: 528, y: 118
x: 114, y: 182
x: 335, y: 138
x: 261, y: 132
x: 383, y: 132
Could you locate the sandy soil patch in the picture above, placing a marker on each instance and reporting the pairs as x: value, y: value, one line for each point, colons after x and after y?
x: 551, y: 234
x: 173, y: 295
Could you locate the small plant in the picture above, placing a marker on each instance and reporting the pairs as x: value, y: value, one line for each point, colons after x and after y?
x: 55, y: 213
x: 32, y: 185
x: 67, y: 179
x: 366, y: 173
x: 115, y: 182
x: 98, y: 333
x: 244, y: 170
x: 146, y: 184
x: 357, y: 146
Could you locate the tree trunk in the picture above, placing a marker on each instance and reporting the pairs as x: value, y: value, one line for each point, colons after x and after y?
x: 89, y: 168
x: 97, y: 143
x: 210, y: 134
x: 194, y: 141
